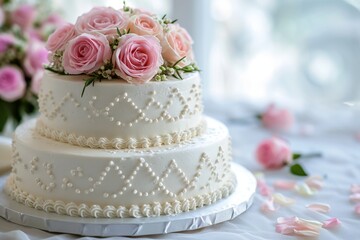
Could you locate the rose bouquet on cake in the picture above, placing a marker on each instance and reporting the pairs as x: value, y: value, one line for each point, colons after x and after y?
x: 23, y: 30
x: 131, y: 44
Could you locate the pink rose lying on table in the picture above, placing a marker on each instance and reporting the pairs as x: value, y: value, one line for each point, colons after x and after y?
x: 137, y: 58
x: 12, y: 83
x: 278, y: 119
x: 275, y: 153
x: 86, y: 53
x: 103, y: 20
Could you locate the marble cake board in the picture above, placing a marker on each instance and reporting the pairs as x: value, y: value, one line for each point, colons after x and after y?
x: 226, y: 209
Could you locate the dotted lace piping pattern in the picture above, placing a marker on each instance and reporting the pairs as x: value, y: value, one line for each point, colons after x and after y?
x: 120, y: 143
x: 95, y: 211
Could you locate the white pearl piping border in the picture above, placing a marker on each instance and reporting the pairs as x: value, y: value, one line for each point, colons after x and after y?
x: 95, y: 211
x: 120, y: 143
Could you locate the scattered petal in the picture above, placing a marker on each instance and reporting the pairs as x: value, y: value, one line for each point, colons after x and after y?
x: 264, y: 189
x: 315, y: 182
x: 298, y: 226
x: 357, y: 208
x: 307, y: 233
x: 331, y: 223
x: 355, y: 197
x: 355, y: 188
x: 284, y: 184
x: 319, y: 207
x: 282, y: 200
x: 268, y: 206
x: 304, y: 189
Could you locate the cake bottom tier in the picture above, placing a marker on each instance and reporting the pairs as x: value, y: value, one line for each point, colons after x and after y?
x: 71, y: 180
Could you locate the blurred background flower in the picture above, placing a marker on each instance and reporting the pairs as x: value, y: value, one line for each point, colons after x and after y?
x: 24, y: 28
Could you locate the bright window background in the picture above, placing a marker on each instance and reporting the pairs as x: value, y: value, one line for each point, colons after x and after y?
x: 259, y: 51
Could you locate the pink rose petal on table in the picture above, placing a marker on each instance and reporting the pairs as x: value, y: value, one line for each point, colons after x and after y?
x: 263, y: 187
x: 284, y: 184
x: 355, y: 197
x: 283, y: 200
x: 298, y: 226
x: 355, y: 188
x: 315, y: 182
x: 268, y: 206
x: 331, y: 223
x: 304, y: 190
x: 357, y: 208
x: 319, y: 207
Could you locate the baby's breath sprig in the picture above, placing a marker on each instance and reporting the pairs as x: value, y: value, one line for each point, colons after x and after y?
x: 175, y: 70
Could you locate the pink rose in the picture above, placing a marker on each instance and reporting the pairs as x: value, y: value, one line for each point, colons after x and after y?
x: 104, y: 20
x: 24, y: 16
x: 273, y: 153
x: 277, y: 119
x: 137, y: 58
x: 54, y: 19
x: 177, y: 44
x: 58, y: 39
x: 36, y: 81
x: 5, y: 41
x: 12, y: 83
x: 86, y: 53
x: 36, y: 57
x: 144, y: 24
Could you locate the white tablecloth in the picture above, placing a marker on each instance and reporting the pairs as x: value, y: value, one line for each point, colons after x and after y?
x: 333, y: 136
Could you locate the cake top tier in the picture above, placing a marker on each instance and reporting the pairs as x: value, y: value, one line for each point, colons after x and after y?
x: 129, y: 43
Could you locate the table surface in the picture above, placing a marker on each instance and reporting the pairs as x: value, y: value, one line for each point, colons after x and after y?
x: 331, y: 132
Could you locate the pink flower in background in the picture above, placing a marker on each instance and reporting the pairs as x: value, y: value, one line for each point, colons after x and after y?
x: 145, y: 24
x: 103, y: 20
x: 36, y: 57
x: 24, y: 16
x: 177, y: 44
x: 12, y: 83
x: 6, y: 40
x: 273, y: 153
x: 277, y: 119
x: 137, y: 58
x: 36, y: 81
x: 54, y: 19
x: 86, y: 53
x: 60, y: 37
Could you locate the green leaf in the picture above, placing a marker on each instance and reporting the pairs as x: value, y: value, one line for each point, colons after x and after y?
x: 4, y: 115
x: 177, y: 62
x: 297, y: 170
x: 174, y: 21
x: 118, y: 32
x: 87, y: 83
x: 296, y: 156
x: 163, y: 17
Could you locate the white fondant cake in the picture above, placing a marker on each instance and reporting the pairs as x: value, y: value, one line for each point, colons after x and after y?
x: 77, y: 181
x: 116, y: 114
x: 136, y: 143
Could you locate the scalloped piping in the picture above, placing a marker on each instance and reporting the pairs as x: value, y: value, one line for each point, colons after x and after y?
x: 95, y: 211
x: 119, y: 143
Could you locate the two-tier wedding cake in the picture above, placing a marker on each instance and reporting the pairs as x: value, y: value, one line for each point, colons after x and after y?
x: 121, y: 131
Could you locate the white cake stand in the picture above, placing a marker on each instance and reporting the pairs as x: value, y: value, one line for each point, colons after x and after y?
x: 226, y: 209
